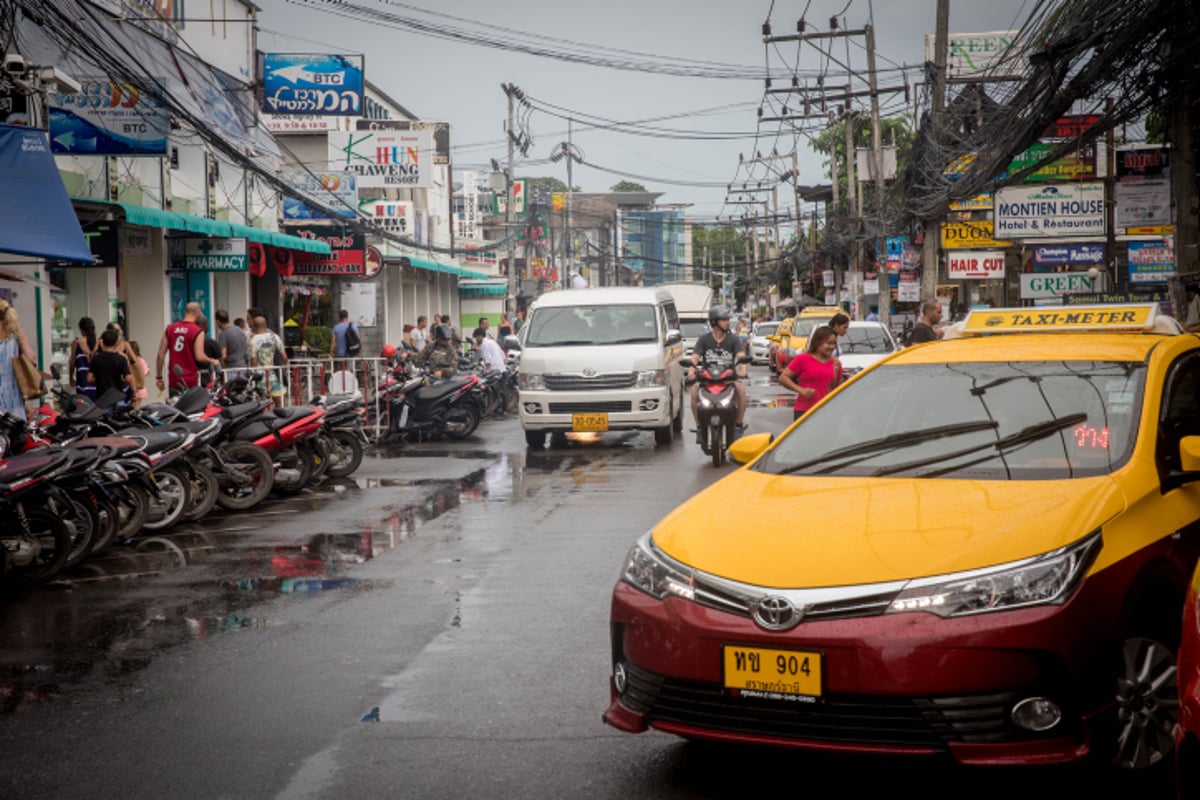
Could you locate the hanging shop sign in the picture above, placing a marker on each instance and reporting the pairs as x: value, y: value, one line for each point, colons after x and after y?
x: 1056, y: 254
x: 347, y: 251
x: 214, y: 255
x: 107, y: 119
x: 1072, y: 126
x: 1143, y: 190
x: 1077, y: 166
x: 908, y: 290
x: 975, y: 265
x: 1117, y: 298
x: 1032, y: 212
x: 384, y: 159
x: 980, y: 202
x: 971, y: 56
x: 977, y: 234
x: 308, y: 83
x: 1151, y: 261
x: 394, y: 216
x: 499, y: 206
x: 1050, y: 285
x: 103, y: 238
x: 337, y: 191
x: 440, y: 132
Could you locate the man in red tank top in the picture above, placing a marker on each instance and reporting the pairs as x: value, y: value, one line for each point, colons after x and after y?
x: 183, y: 342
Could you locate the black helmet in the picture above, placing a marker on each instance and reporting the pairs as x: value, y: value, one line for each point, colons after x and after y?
x: 718, y: 312
x: 442, y: 332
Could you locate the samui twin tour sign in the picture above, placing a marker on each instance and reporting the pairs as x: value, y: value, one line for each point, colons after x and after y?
x: 214, y: 255
x: 1032, y: 212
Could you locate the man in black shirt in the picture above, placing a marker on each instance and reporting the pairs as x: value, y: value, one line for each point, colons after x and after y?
x: 109, y: 369
x: 923, y: 331
x: 719, y: 349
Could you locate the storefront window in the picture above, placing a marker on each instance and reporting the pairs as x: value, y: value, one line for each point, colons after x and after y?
x: 308, y: 313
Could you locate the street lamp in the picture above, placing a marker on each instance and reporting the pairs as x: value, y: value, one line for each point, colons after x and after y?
x: 1093, y: 273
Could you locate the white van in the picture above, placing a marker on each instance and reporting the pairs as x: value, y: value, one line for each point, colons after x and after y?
x: 602, y: 360
x: 692, y: 301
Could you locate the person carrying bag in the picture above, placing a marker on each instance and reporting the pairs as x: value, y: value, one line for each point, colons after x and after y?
x: 20, y: 379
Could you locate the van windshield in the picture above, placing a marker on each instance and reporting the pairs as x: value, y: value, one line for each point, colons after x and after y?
x: 587, y: 325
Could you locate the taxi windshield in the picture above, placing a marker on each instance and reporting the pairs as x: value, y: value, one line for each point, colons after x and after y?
x: 1013, y: 420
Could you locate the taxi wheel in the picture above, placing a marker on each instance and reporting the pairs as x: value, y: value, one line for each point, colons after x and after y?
x: 1147, y: 705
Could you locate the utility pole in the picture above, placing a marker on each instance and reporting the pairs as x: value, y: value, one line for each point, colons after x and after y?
x: 511, y: 91
x: 933, y: 227
x: 885, y: 291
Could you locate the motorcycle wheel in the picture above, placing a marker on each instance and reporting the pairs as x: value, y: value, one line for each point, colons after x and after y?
x: 345, y: 455
x: 204, y: 489
x: 247, y: 478
x: 52, y: 541
x: 716, y: 444
x: 106, y: 534
x: 174, y: 494
x: 461, y: 422
x: 82, y: 521
x: 133, y: 505
x: 296, y: 464
x: 321, y: 445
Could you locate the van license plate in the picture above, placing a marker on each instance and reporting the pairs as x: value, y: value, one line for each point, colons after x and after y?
x: 762, y: 672
x: 589, y: 422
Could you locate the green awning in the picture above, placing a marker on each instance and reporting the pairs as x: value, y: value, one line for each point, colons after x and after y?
x: 449, y: 269
x: 470, y: 288
x: 174, y: 221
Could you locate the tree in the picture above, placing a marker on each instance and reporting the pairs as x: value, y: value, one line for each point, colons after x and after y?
x: 547, y: 184
x: 892, y: 129
x: 627, y: 186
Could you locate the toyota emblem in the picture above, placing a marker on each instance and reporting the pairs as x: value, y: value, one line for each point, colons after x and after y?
x: 776, y: 613
x: 589, y: 373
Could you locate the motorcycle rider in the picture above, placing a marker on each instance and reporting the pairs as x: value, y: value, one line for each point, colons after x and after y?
x: 439, y: 357
x: 718, y: 350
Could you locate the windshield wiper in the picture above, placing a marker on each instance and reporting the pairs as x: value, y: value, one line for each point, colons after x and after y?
x: 893, y: 440
x: 1030, y: 433
x: 632, y: 340
x: 561, y: 343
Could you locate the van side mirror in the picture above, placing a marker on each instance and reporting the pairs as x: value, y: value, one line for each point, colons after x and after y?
x: 674, y: 336
x: 511, y: 342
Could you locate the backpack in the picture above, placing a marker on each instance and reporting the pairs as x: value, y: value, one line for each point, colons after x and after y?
x: 353, y: 343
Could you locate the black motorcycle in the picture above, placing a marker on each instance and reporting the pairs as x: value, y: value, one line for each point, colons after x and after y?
x: 417, y: 407
x: 716, y: 408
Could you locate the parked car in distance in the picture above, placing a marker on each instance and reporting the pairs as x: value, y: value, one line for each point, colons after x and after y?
x: 760, y: 345
x: 864, y: 344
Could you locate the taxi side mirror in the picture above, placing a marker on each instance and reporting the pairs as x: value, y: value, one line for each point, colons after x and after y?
x: 1189, y: 465
x: 748, y: 448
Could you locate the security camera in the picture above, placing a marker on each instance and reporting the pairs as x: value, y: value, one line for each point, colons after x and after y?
x: 55, y: 80
x: 14, y: 64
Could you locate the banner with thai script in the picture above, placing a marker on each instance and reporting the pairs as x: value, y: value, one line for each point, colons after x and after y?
x: 107, y: 119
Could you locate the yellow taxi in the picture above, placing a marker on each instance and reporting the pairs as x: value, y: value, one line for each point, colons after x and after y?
x: 795, y: 340
x: 978, y: 547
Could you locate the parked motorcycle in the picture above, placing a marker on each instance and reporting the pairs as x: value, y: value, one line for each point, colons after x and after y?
x: 418, y: 407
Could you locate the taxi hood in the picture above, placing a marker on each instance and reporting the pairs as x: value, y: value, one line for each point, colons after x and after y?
x: 792, y: 532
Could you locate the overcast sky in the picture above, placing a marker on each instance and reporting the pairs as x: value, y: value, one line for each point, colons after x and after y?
x: 458, y: 82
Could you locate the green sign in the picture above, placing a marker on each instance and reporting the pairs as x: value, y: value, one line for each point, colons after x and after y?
x: 1078, y: 166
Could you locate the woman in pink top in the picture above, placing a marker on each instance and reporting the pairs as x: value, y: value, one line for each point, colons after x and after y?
x: 813, y: 373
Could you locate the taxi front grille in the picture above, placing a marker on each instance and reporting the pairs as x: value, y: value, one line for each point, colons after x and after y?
x: 563, y: 382
x: 930, y: 723
x: 593, y: 407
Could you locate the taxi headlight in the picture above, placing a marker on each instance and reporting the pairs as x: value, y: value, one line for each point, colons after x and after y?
x: 529, y: 381
x: 650, y: 378
x: 652, y: 571
x: 1048, y: 579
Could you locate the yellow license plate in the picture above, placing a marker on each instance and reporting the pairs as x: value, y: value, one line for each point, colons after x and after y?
x: 761, y: 672
x: 589, y: 422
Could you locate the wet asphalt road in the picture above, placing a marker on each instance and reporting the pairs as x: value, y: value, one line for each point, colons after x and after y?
x: 435, y: 627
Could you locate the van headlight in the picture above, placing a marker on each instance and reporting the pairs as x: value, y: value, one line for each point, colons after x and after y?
x: 1048, y: 579
x: 529, y: 381
x: 649, y: 378
x: 649, y: 569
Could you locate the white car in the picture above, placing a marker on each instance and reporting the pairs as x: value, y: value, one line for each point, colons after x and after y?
x: 863, y: 345
x: 760, y: 348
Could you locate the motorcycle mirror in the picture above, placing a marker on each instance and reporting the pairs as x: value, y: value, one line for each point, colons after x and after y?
x: 55, y: 372
x: 686, y: 362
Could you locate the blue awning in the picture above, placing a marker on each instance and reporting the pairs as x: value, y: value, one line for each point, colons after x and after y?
x: 36, y: 216
x: 175, y: 221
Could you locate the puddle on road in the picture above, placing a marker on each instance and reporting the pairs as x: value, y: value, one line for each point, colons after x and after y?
x: 106, y: 618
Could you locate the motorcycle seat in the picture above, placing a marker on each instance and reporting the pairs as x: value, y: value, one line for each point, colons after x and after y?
x: 290, y: 414
x: 158, y: 441
x: 241, y: 410
x: 439, y: 390
x: 120, y: 445
x: 27, y: 465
